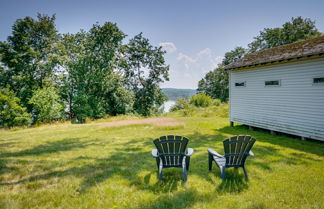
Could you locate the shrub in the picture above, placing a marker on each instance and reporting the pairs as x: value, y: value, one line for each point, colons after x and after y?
x: 11, y: 113
x: 182, y: 103
x: 46, y: 104
x: 81, y: 108
x: 216, y: 102
x: 201, y: 100
x: 122, y: 101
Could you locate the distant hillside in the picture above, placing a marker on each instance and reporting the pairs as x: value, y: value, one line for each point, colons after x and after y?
x: 174, y: 94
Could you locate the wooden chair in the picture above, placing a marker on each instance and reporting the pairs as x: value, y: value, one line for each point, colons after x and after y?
x: 237, y: 149
x: 171, y: 152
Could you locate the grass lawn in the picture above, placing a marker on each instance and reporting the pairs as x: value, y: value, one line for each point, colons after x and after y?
x: 92, y: 166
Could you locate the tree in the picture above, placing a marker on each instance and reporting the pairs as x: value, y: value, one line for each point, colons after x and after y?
x: 215, y: 83
x: 90, y: 79
x: 29, y: 55
x: 11, y: 113
x: 143, y: 67
x: 234, y: 55
x: 296, y: 30
x: 47, y: 104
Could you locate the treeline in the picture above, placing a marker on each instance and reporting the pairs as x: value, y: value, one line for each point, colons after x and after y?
x: 46, y: 76
x: 215, y: 83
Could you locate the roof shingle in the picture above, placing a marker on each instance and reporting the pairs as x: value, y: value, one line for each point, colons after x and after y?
x: 298, y: 49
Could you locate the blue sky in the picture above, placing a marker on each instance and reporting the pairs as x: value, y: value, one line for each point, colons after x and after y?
x: 196, y: 34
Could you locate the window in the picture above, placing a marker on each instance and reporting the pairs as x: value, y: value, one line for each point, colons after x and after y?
x: 237, y: 84
x: 318, y: 80
x: 272, y: 83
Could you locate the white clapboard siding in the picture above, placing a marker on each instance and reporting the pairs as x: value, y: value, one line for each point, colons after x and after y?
x: 295, y: 107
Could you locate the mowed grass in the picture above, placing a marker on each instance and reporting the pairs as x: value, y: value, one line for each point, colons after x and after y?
x: 91, y: 166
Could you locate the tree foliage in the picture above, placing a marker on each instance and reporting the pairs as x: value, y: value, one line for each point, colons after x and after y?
x: 11, y: 113
x: 295, y: 30
x: 143, y: 68
x: 88, y: 74
x: 91, y: 84
x: 47, y: 104
x: 30, y: 55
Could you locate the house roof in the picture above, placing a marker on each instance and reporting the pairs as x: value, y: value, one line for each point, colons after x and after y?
x: 298, y: 49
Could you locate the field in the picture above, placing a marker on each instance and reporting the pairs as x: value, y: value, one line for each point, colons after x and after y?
x: 96, y: 165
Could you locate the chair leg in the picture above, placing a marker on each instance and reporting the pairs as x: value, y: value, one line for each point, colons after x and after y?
x: 187, y: 163
x: 210, y: 161
x: 184, y: 173
x: 245, y: 173
x: 157, y: 162
x: 223, y: 175
x: 160, y: 170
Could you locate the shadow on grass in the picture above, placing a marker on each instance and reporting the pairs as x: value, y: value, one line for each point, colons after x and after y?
x: 234, y: 182
x: 48, y: 148
x: 178, y: 200
x: 314, y: 147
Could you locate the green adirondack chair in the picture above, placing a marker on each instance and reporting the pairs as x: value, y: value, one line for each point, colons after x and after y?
x: 237, y: 149
x: 171, y: 152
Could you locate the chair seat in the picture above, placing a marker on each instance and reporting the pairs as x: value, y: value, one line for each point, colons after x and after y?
x: 220, y: 161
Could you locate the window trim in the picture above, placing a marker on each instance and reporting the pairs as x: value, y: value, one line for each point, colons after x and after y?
x: 270, y: 80
x: 239, y: 82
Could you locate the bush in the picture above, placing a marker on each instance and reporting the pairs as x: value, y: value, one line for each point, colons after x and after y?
x: 81, y: 108
x: 11, y: 113
x: 201, y: 100
x: 122, y: 101
x: 180, y: 104
x: 216, y: 102
x: 46, y: 104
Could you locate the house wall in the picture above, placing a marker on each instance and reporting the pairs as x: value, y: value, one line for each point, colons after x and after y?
x: 295, y: 107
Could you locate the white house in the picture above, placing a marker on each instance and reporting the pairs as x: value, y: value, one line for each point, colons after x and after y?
x: 281, y: 89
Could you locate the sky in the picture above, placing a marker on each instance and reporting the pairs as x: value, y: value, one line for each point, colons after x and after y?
x: 195, y: 34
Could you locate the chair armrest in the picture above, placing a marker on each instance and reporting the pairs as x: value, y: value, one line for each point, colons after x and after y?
x: 251, y: 154
x: 190, y: 151
x: 155, y: 153
x: 213, y: 152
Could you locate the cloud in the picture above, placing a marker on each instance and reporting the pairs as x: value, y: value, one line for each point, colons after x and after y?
x: 205, y: 52
x: 185, y: 58
x: 187, y: 70
x: 169, y: 47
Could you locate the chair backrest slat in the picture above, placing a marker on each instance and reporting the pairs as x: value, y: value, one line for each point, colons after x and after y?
x: 240, y: 143
x: 226, y: 150
x: 171, y: 149
x: 177, y: 149
x: 237, y: 148
x: 233, y: 142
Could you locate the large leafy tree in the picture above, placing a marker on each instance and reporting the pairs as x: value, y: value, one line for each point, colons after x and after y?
x: 295, y: 30
x: 29, y: 55
x: 215, y: 83
x: 90, y: 77
x: 144, y: 68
